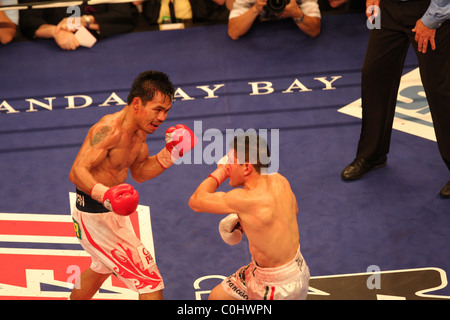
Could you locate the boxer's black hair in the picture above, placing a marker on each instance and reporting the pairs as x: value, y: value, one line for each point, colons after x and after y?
x: 253, y: 149
x: 147, y: 83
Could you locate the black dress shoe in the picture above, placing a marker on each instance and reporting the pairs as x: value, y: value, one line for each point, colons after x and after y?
x: 445, y: 192
x: 359, y: 167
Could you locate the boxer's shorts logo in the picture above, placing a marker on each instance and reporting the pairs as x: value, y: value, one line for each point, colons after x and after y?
x: 77, y: 229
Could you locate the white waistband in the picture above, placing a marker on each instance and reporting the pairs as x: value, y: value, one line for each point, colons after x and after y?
x: 285, y: 273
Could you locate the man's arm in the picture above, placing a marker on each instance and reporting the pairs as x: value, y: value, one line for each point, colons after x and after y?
x: 7, y: 28
x: 66, y: 40
x: 309, y: 25
x: 425, y: 28
x: 240, y: 25
x: 93, y: 151
x: 179, y: 141
x: 206, y: 199
x: 34, y: 24
x: 437, y: 13
x: 145, y: 167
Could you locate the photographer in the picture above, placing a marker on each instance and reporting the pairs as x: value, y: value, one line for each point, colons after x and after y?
x: 305, y: 13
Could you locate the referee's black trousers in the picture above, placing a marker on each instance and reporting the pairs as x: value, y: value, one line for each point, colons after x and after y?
x: 382, y: 71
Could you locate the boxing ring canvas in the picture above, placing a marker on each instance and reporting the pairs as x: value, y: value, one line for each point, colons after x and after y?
x: 384, y: 236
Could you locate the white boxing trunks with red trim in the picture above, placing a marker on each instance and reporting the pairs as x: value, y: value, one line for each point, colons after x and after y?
x: 287, y: 282
x: 114, y: 248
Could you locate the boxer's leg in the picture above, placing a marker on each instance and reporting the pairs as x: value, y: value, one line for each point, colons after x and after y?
x: 158, y: 295
x: 90, y: 283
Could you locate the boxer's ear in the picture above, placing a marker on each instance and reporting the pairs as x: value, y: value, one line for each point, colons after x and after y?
x: 248, y: 168
x: 136, y: 103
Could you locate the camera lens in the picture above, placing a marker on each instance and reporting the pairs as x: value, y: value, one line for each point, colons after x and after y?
x: 276, y: 6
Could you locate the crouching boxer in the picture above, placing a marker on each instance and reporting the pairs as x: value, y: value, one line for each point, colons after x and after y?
x: 264, y: 208
x: 114, y: 146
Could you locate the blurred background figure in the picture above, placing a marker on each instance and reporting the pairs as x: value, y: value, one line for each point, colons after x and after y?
x: 9, y: 19
x: 102, y: 21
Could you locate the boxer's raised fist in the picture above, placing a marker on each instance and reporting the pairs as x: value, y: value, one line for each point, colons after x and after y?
x: 179, y: 141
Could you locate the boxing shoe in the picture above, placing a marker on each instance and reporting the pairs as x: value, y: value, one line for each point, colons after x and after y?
x: 359, y: 167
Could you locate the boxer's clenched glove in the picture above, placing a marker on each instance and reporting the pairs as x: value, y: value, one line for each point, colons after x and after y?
x: 122, y: 199
x: 179, y: 141
x: 230, y: 229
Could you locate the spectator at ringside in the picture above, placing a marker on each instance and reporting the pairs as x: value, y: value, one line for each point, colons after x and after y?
x: 102, y: 20
x: 305, y: 14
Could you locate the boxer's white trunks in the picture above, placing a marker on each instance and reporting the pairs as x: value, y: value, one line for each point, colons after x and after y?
x: 287, y: 282
x: 114, y: 248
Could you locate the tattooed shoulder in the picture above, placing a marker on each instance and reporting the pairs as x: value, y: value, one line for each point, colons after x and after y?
x: 100, y: 135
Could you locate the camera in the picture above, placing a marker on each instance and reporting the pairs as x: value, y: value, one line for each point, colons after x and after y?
x: 275, y: 6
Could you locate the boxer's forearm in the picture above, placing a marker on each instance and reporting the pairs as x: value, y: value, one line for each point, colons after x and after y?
x: 146, y: 170
x: 82, y: 179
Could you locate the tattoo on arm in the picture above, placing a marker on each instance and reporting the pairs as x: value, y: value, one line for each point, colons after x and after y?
x: 99, y: 136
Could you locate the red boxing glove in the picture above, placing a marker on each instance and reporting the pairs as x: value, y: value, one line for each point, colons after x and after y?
x: 179, y: 141
x: 121, y: 199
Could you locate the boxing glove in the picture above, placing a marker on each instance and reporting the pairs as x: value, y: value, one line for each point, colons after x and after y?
x: 179, y: 141
x: 230, y: 229
x: 122, y: 199
x: 220, y: 174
